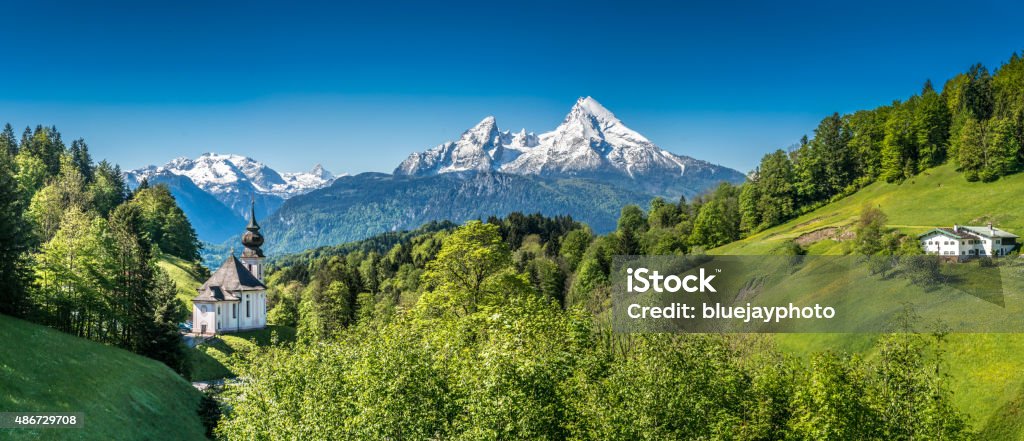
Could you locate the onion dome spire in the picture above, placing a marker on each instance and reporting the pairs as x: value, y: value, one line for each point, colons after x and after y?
x: 252, y: 239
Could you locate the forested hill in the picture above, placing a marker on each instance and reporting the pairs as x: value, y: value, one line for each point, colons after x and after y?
x: 356, y: 207
x: 975, y: 125
x: 79, y: 251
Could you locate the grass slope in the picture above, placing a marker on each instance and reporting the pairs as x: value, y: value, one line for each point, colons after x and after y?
x: 185, y: 279
x: 937, y: 197
x: 123, y: 395
x: 987, y: 370
x: 219, y: 357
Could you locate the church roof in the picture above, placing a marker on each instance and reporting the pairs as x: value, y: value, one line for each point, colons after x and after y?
x: 214, y: 294
x: 233, y: 276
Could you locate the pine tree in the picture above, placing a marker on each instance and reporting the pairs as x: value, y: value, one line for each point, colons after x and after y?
x: 971, y: 151
x: 750, y: 203
x: 831, y: 144
x: 931, y: 127
x: 14, y: 241
x: 26, y: 139
x: 162, y: 342
x: 43, y: 147
x: 899, y: 153
x: 108, y: 189
x: 1001, y: 149
x: 132, y: 278
x: 8, y: 143
x: 81, y: 159
x: 867, y: 130
x: 775, y: 181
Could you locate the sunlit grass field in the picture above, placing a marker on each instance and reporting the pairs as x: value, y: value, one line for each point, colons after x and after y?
x: 986, y: 370
x: 122, y: 395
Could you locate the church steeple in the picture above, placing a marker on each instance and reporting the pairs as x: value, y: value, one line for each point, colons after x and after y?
x: 252, y: 239
x: 253, y: 226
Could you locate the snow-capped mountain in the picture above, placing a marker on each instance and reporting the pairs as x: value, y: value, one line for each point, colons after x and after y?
x: 590, y: 142
x: 232, y: 180
x: 218, y: 173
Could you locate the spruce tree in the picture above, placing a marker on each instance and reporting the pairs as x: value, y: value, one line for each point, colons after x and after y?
x: 8, y: 143
x: 971, y: 151
x: 899, y: 159
x: 14, y: 233
x: 931, y: 127
x: 81, y: 159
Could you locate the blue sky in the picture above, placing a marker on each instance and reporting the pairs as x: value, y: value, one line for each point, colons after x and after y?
x: 359, y: 87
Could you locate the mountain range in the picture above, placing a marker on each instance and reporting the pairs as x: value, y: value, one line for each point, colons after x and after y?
x: 360, y: 206
x: 215, y: 190
x: 589, y: 143
x: 589, y: 166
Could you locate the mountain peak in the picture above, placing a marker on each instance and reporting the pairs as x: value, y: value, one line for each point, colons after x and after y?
x: 320, y: 172
x: 590, y: 107
x: 590, y: 142
x: 480, y: 136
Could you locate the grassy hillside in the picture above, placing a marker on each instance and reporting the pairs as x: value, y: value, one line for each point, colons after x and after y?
x: 218, y: 357
x: 123, y: 395
x: 987, y: 369
x: 184, y: 277
x: 937, y: 197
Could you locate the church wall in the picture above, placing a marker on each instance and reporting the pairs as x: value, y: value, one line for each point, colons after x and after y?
x: 204, y: 313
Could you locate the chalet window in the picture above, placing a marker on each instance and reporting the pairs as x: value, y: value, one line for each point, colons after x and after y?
x: 963, y: 253
x: 248, y: 311
x: 234, y: 310
x: 997, y: 241
x: 218, y: 310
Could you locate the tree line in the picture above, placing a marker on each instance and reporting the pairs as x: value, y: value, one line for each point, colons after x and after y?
x: 976, y: 122
x: 79, y: 249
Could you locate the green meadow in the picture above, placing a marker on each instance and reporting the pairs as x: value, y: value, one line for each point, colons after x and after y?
x: 937, y: 197
x: 219, y: 357
x: 122, y: 395
x: 986, y: 370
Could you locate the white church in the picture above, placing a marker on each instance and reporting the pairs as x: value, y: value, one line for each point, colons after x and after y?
x: 234, y: 298
x: 965, y: 242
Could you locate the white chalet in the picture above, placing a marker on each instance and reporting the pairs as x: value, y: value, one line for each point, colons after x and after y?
x: 965, y: 242
x: 234, y: 298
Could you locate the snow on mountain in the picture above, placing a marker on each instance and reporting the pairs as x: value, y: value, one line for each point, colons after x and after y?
x: 233, y: 181
x: 480, y: 148
x: 590, y: 142
x: 319, y: 177
x: 219, y: 173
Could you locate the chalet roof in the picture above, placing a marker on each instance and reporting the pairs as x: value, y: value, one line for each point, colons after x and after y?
x: 233, y: 276
x: 958, y: 234
x: 988, y: 231
x: 214, y: 294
